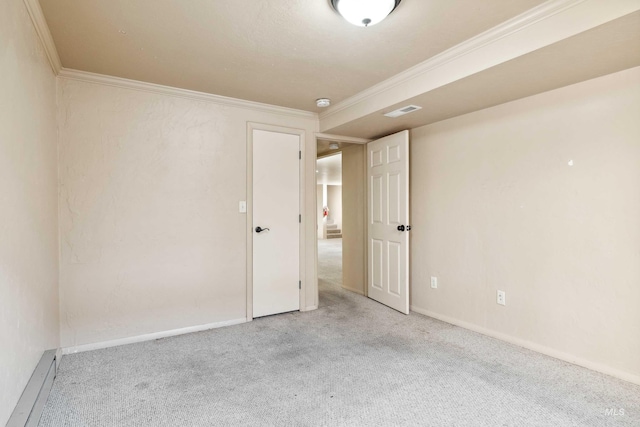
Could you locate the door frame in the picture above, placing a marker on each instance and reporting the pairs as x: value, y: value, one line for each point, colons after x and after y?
x: 348, y: 140
x: 251, y: 126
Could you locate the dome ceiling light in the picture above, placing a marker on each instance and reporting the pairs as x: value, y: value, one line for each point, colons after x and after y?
x: 364, y: 13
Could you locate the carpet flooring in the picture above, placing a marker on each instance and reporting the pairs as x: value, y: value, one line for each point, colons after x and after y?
x: 352, y: 362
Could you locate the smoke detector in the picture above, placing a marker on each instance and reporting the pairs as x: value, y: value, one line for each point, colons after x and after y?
x: 323, y: 102
x: 402, y: 111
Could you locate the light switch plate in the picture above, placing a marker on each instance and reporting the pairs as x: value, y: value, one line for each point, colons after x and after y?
x: 434, y: 282
x: 242, y: 206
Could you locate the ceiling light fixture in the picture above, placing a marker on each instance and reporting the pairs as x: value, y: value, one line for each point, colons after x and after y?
x: 323, y: 102
x: 364, y: 13
x: 334, y: 146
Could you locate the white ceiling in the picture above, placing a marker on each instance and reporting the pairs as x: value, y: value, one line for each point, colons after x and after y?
x: 449, y: 56
x: 329, y: 170
x: 324, y: 147
x: 285, y: 53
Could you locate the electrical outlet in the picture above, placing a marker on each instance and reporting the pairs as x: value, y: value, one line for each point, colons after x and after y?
x: 434, y: 282
x: 501, y: 298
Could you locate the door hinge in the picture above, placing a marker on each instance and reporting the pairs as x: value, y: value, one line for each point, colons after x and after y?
x: 299, y: 154
x: 299, y: 284
x: 300, y: 218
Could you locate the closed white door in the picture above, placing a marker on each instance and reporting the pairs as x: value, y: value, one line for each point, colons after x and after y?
x: 388, y: 220
x: 276, y: 226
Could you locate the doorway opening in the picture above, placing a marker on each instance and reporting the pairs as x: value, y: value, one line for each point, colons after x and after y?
x: 372, y: 217
x: 329, y: 212
x: 341, y: 189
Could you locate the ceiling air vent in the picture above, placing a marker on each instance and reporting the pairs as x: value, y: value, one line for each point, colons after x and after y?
x: 402, y: 111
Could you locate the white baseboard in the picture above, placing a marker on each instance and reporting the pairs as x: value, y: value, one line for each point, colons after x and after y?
x: 355, y: 291
x: 150, y: 337
x: 310, y: 308
x: 58, y: 358
x: 31, y: 403
x: 635, y: 379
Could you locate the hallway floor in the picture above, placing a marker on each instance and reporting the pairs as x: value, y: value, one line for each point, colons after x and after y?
x: 352, y: 362
x: 329, y: 271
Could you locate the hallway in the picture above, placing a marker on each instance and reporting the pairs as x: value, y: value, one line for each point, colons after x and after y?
x: 329, y: 272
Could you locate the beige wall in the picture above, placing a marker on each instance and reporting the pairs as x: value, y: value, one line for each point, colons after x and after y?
x: 28, y: 204
x: 319, y: 199
x: 334, y: 198
x: 497, y: 205
x: 353, y: 218
x: 149, y: 189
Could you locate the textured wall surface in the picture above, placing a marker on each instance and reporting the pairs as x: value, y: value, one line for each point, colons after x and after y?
x: 319, y: 206
x: 28, y: 204
x: 539, y: 198
x: 354, y: 239
x: 334, y: 196
x: 151, y: 236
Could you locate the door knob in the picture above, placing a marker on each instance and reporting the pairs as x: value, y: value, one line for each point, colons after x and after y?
x: 401, y: 228
x: 260, y: 229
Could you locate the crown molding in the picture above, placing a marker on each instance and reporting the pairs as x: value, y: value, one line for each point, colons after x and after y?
x: 87, y: 77
x: 340, y: 138
x: 505, y: 29
x: 42, y: 29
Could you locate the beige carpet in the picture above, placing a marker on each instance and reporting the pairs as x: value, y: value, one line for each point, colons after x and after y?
x: 352, y: 362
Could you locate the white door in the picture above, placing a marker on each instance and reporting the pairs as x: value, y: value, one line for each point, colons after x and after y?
x: 388, y: 220
x: 276, y: 227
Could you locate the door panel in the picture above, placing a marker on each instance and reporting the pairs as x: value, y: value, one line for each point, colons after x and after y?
x: 376, y: 199
x: 395, y: 204
x: 388, y: 177
x: 276, y: 206
x: 395, y: 256
x: 377, y: 253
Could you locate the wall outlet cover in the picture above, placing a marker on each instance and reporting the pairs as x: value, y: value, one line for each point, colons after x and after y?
x: 501, y: 298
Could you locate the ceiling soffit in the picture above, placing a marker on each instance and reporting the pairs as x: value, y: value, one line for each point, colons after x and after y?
x: 535, y: 30
x: 606, y: 49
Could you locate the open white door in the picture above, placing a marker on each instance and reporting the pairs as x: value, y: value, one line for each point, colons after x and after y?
x: 276, y: 222
x: 388, y: 217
